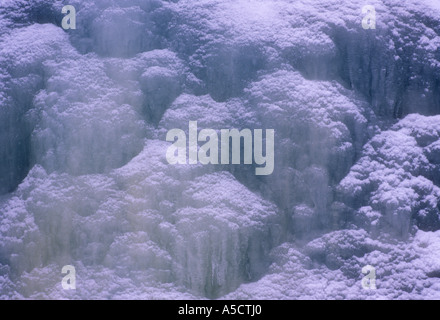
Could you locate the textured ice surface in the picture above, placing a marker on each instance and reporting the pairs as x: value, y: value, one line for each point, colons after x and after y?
x: 84, y: 180
x: 393, y: 180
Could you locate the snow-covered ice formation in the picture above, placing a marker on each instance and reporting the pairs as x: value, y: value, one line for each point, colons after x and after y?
x: 84, y: 179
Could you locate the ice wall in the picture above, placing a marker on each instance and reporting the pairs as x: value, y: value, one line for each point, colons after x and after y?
x: 84, y: 179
